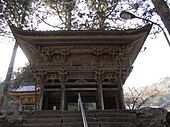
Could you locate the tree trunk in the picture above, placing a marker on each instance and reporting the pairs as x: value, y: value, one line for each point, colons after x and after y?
x: 10, y: 69
x: 163, y: 11
x: 9, y: 74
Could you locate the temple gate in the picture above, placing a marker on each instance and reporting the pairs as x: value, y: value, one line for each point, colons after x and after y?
x: 94, y: 63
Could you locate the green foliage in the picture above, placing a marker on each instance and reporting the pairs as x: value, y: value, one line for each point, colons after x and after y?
x: 61, y: 5
x: 16, y: 11
x: 74, y: 14
x: 7, y: 99
x: 83, y: 14
x: 1, y: 87
x: 22, y: 75
x: 63, y: 8
x: 102, y: 10
x: 98, y: 14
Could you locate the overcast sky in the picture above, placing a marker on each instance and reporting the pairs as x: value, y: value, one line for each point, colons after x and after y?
x: 152, y: 64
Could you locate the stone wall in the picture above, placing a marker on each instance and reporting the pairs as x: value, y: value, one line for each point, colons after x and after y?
x: 151, y: 117
x: 9, y: 118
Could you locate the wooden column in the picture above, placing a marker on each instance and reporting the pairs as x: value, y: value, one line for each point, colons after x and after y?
x: 39, y: 75
x: 39, y: 81
x: 41, y: 98
x: 117, y: 100
x: 35, y: 103
x: 121, y: 74
x: 98, y: 78
x: 62, y: 107
x: 42, y: 83
x: 121, y: 97
x: 100, y: 96
x: 62, y: 78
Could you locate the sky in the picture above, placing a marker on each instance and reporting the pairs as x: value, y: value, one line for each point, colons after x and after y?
x: 150, y: 66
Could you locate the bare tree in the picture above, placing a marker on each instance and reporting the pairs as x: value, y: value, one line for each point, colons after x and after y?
x: 163, y: 11
x: 137, y: 97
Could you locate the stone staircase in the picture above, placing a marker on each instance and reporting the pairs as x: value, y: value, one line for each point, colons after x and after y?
x: 96, y: 118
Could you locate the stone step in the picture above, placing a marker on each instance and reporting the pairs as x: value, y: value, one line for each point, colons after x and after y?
x: 110, y: 114
x: 61, y: 115
x: 97, y: 113
x: 113, y: 110
x: 47, y: 116
x: 80, y: 124
x: 55, y: 112
x: 42, y: 125
x: 50, y: 118
x: 87, y: 111
x: 115, y: 119
x: 68, y: 124
x: 78, y: 114
x: 59, y: 120
x: 43, y: 120
x: 72, y: 114
x: 97, y: 124
x: 79, y: 119
x: 117, y: 124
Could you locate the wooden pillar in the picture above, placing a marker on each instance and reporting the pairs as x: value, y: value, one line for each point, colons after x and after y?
x: 121, y: 97
x: 117, y: 100
x: 98, y: 78
x: 100, y: 96
x: 62, y: 78
x: 41, y: 98
x: 42, y: 83
x: 39, y: 75
x: 62, y: 107
x: 35, y: 103
x: 41, y: 94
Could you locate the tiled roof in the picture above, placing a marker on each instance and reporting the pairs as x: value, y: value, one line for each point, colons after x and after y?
x: 25, y: 87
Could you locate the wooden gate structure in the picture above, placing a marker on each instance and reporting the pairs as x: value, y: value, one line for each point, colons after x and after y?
x: 95, y: 63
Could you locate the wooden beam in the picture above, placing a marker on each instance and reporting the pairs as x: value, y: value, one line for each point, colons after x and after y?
x: 110, y: 89
x: 79, y: 89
